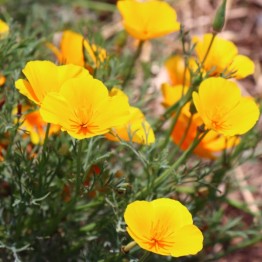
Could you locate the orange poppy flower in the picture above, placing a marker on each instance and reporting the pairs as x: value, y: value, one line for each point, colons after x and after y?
x: 84, y: 108
x: 163, y: 226
x: 223, y: 57
x: 75, y: 49
x: 44, y: 77
x: 148, y: 19
x: 186, y: 127
x: 223, y: 109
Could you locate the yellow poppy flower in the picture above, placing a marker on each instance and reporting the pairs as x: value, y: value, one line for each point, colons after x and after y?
x: 4, y: 28
x: 72, y: 50
x: 148, y: 19
x: 136, y: 129
x: 223, y: 57
x: 84, y: 108
x: 186, y: 127
x: 34, y: 124
x: 163, y: 226
x: 223, y: 109
x: 44, y: 77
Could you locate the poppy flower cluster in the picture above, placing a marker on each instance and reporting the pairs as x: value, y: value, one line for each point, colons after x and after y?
x: 71, y: 98
x: 80, y: 104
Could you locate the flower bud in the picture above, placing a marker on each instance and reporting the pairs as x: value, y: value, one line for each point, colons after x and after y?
x: 219, y: 20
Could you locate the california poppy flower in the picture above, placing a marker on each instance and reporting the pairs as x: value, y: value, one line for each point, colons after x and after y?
x: 74, y: 49
x: 148, y: 19
x: 84, y: 108
x: 43, y: 77
x: 163, y: 226
x: 223, y: 57
x: 223, y: 109
x: 185, y: 130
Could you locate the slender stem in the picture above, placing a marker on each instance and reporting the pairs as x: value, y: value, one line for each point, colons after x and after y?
x: 145, y: 256
x: 179, y: 104
x: 43, y: 158
x: 185, y: 58
x: 46, y: 136
x: 132, y: 63
x: 78, y: 167
x: 163, y: 177
x: 209, y: 48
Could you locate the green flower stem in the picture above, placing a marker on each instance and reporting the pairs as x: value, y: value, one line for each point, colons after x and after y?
x: 78, y: 167
x: 179, y: 104
x: 46, y: 136
x: 132, y: 63
x: 162, y: 178
x: 208, y: 49
x: 145, y: 256
x: 43, y: 158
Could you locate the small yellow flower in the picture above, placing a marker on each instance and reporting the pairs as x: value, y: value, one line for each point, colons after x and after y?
x: 33, y: 123
x: 136, y: 129
x: 84, y: 108
x: 4, y: 29
x: 148, y: 19
x: 211, y: 145
x: 44, y: 77
x: 223, y: 57
x: 75, y: 49
x: 163, y: 226
x: 223, y: 109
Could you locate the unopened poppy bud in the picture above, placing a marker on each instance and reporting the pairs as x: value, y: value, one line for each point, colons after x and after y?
x: 219, y: 20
